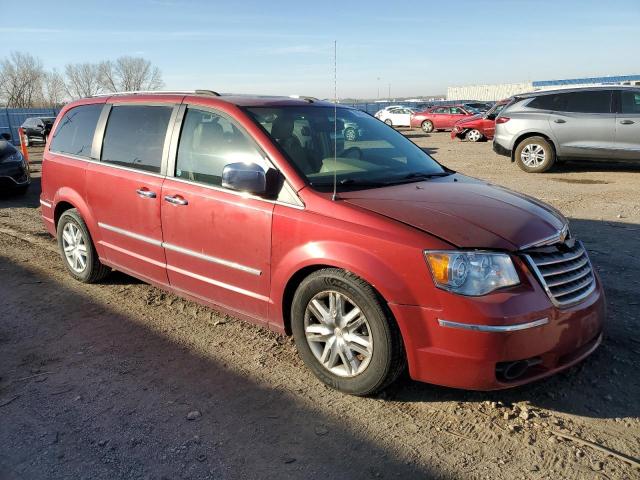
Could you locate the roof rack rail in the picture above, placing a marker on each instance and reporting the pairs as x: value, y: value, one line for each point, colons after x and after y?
x: 158, y: 92
x: 304, y: 97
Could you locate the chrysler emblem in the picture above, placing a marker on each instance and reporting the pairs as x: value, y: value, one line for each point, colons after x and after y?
x: 562, y: 234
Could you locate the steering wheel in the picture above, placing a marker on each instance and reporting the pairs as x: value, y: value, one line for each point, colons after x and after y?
x: 352, y: 152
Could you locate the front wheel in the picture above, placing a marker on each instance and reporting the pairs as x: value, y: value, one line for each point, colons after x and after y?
x: 427, y: 126
x: 345, y: 334
x: 473, y: 135
x: 535, y: 155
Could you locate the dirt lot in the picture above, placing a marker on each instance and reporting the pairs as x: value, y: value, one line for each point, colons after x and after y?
x: 121, y: 380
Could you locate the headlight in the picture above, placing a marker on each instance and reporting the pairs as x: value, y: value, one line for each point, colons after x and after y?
x: 471, y: 273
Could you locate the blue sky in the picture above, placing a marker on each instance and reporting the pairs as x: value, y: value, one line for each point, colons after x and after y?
x: 286, y: 47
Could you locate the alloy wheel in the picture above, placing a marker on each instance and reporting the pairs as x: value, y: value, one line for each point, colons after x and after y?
x: 338, y: 334
x: 427, y: 126
x: 74, y: 247
x: 473, y: 135
x: 533, y: 155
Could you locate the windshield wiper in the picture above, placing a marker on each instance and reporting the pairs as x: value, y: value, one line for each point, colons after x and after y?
x: 361, y: 182
x: 425, y: 175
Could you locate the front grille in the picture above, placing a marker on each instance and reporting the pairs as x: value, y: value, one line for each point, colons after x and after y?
x: 564, y: 271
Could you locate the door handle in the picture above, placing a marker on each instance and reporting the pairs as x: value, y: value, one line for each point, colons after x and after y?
x: 559, y: 120
x: 144, y: 193
x: 626, y: 122
x: 175, y: 200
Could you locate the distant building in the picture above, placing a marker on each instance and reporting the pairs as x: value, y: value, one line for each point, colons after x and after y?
x: 504, y: 90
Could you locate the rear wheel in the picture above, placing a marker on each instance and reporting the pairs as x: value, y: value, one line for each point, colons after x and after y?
x: 473, y: 135
x: 389, y: 122
x: 535, y: 155
x: 427, y: 126
x: 345, y: 334
x: 77, y: 250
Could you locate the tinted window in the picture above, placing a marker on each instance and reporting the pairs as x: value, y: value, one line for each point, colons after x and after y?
x: 589, y: 102
x: 598, y: 101
x: 75, y: 131
x: 630, y: 102
x: 548, y: 102
x: 208, y: 142
x: 135, y: 136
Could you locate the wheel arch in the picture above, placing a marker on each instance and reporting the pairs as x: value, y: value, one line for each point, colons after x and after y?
x: 526, y: 135
x: 382, y: 279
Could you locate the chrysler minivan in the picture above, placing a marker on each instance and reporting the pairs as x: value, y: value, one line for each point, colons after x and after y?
x: 374, y: 256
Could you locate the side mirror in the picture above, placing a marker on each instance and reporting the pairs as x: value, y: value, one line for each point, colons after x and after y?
x: 243, y: 177
x: 490, y: 117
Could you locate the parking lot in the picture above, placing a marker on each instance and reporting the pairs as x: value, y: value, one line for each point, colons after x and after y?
x: 122, y: 380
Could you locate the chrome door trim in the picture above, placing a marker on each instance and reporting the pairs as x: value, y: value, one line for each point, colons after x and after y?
x: 98, y: 135
x: 129, y: 234
x: 493, y: 328
x: 184, y: 251
x: 209, y: 258
x: 217, y: 283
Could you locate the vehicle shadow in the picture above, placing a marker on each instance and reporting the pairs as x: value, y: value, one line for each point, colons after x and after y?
x: 602, y: 386
x: 92, y: 393
x: 588, y: 165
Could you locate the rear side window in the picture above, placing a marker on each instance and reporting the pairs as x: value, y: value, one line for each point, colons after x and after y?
x: 208, y: 142
x: 630, y: 102
x: 74, y: 134
x: 135, y: 136
x: 597, y: 101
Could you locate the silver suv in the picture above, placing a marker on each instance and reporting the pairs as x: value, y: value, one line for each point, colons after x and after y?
x: 536, y: 129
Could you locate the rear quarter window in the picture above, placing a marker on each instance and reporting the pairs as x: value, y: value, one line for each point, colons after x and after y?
x: 74, y: 134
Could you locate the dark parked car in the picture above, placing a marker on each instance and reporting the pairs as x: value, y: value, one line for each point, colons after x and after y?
x: 37, y: 129
x: 14, y: 171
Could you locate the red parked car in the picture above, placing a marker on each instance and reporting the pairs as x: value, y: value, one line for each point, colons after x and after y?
x: 373, y: 255
x: 480, y: 126
x: 440, y: 118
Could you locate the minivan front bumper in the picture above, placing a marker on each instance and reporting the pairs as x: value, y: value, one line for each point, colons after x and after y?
x: 540, y: 344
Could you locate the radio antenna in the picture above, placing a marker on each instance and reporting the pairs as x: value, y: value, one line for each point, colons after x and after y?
x: 335, y: 120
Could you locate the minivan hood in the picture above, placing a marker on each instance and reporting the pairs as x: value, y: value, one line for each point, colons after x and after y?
x: 465, y: 212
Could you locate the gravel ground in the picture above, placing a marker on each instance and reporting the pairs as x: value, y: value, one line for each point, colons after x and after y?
x: 122, y: 380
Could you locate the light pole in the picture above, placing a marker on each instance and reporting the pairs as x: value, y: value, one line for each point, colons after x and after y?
x: 389, y: 92
x: 378, y: 85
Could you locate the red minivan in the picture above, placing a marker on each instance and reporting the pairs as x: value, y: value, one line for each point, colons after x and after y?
x: 373, y: 255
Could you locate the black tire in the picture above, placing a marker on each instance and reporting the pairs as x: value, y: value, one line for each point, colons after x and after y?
x: 389, y: 122
x: 427, y: 126
x: 549, y: 155
x: 388, y: 358
x: 94, y: 271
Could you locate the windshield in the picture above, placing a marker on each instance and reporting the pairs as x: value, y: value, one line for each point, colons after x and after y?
x: 368, y: 153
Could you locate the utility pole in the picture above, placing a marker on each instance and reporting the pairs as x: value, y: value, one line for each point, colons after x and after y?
x: 389, y: 92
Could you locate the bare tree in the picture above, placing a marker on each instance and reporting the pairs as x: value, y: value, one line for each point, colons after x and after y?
x: 21, y: 78
x: 130, y: 73
x: 54, y: 89
x: 83, y: 79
